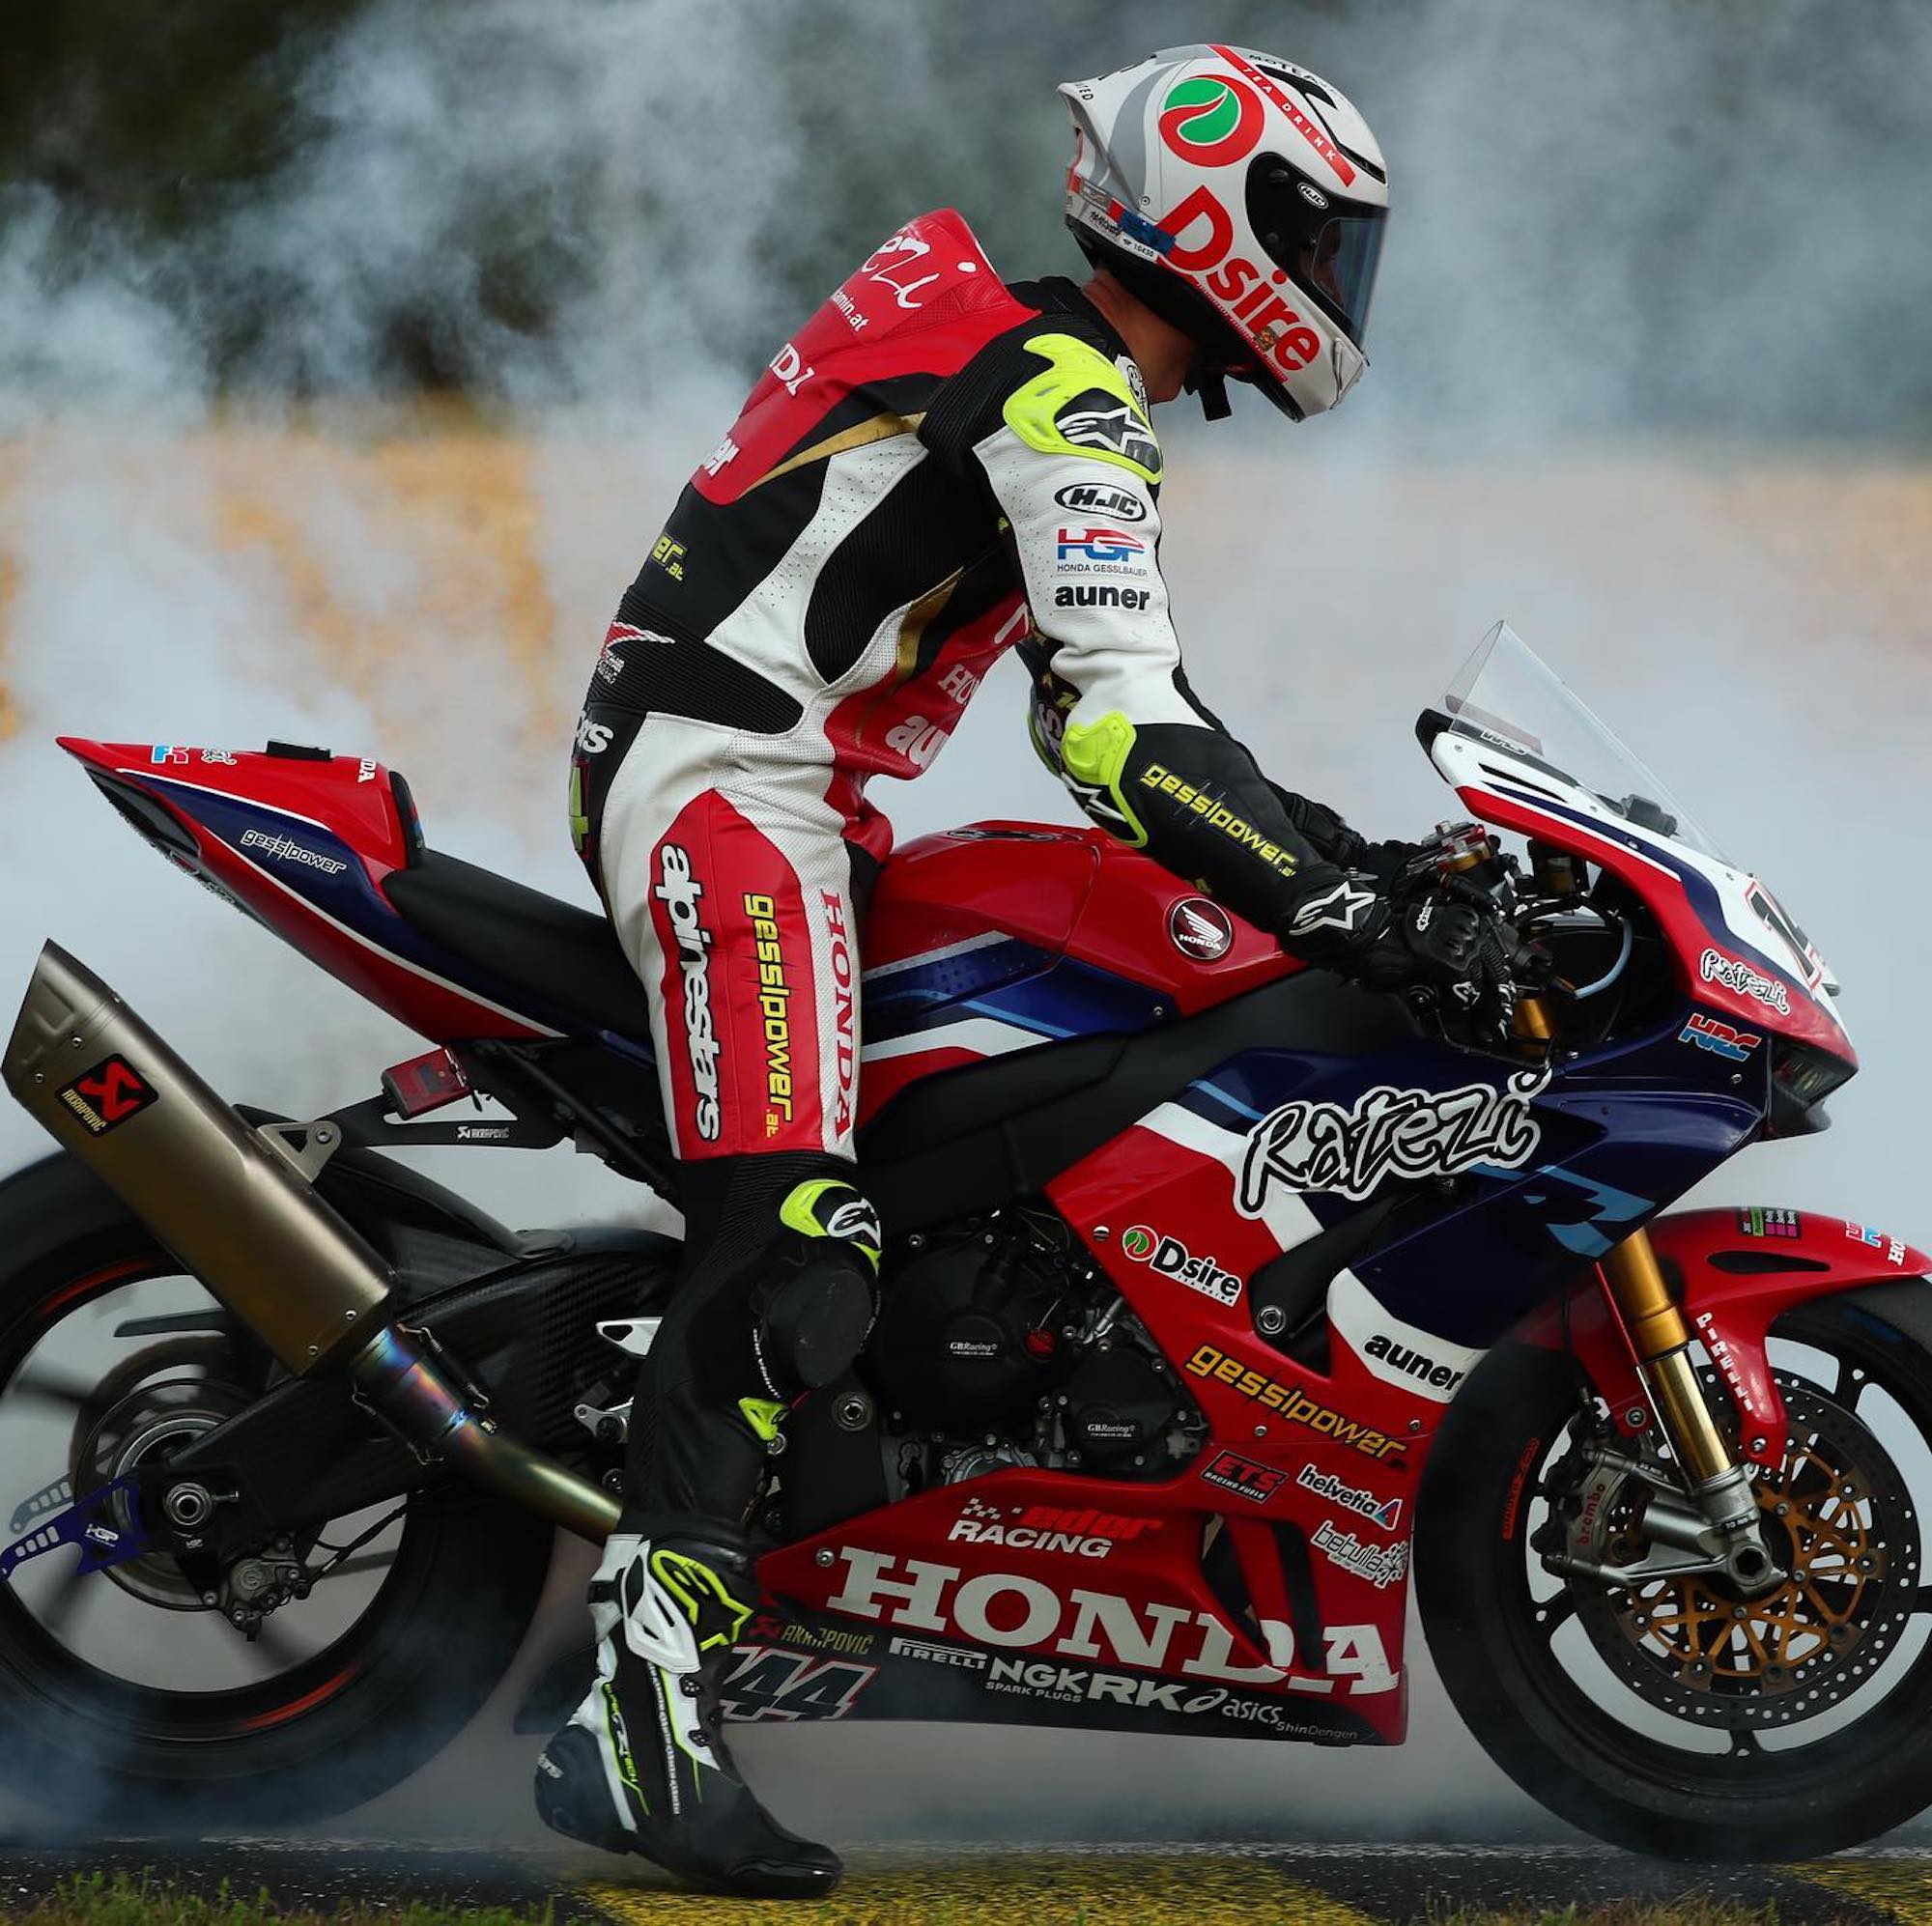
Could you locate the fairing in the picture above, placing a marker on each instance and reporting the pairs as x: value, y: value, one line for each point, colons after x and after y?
x: 1322, y: 1216
x: 1561, y: 775
x: 1739, y: 1270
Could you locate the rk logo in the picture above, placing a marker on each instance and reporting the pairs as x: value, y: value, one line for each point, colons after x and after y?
x: 108, y: 1096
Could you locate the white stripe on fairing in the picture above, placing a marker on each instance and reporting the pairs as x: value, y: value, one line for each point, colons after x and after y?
x: 983, y: 1033
x: 1286, y: 1217
x: 389, y: 955
x: 971, y: 943
x: 153, y: 774
x: 1358, y: 1314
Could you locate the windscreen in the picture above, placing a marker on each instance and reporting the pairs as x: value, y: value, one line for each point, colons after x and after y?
x: 1506, y: 696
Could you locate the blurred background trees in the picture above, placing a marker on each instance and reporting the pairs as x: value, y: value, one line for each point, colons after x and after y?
x: 1701, y: 213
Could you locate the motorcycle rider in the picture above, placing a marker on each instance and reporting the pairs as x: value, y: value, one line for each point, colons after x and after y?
x: 935, y: 468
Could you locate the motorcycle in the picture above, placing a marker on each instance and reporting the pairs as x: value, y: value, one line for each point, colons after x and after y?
x: 1215, y: 1286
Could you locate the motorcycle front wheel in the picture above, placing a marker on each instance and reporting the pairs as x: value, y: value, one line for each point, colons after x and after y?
x: 1677, y: 1716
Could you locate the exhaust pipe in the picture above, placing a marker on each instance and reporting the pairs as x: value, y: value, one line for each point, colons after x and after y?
x: 252, y: 1227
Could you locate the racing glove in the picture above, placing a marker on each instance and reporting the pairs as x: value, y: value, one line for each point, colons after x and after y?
x: 1397, y: 942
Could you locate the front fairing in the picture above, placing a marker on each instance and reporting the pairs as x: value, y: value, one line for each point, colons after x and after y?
x: 1737, y: 953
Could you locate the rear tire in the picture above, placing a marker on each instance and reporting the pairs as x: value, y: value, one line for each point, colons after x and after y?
x: 347, y: 1722
x: 1531, y: 1716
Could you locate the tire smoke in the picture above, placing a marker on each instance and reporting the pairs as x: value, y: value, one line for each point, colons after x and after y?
x: 1631, y: 323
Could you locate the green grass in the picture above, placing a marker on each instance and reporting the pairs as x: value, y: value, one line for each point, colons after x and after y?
x: 121, y: 1899
x: 124, y: 1899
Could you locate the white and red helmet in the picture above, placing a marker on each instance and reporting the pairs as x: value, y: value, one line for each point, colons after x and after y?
x: 1243, y: 199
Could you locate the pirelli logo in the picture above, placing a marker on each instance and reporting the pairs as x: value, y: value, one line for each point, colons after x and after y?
x: 1217, y: 815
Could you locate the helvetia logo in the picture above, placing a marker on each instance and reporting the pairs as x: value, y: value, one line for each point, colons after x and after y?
x: 1382, y: 1512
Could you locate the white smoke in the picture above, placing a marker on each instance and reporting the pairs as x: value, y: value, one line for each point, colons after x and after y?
x: 1551, y: 277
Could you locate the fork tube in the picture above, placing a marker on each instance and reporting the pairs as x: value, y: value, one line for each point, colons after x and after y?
x: 1661, y: 1340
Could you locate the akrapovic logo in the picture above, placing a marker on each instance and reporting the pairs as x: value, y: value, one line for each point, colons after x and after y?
x: 680, y: 892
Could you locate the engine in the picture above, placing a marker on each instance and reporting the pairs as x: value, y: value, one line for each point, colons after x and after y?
x: 999, y: 1343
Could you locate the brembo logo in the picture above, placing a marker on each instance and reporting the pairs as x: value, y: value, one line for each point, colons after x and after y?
x: 681, y: 893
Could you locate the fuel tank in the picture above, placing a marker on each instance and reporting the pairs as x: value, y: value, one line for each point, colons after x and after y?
x: 1004, y: 936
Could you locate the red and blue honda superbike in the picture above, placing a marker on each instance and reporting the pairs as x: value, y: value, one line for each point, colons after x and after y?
x: 1215, y: 1286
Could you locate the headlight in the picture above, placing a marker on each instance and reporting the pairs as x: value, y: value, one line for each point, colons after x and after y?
x: 1802, y: 1078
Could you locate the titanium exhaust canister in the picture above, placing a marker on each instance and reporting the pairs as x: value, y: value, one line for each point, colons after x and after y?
x: 252, y: 1227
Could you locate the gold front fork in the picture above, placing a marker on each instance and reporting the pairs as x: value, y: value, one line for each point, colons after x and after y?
x: 1661, y: 1340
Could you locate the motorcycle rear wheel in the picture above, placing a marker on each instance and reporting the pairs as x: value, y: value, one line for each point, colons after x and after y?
x: 1493, y: 1640
x: 343, y: 1723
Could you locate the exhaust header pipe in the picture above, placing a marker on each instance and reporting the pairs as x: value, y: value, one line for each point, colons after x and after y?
x: 251, y: 1227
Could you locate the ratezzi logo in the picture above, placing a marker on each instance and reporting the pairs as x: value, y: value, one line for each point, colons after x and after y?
x: 1739, y: 977
x: 1382, y: 1512
x: 108, y: 1096
x: 1390, y: 1133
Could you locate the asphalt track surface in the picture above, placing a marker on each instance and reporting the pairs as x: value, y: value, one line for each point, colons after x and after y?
x: 1204, y: 1885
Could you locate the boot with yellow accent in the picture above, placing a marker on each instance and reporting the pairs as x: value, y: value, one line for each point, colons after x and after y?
x: 641, y: 1766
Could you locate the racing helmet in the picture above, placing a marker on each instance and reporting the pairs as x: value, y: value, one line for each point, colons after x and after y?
x: 1244, y: 199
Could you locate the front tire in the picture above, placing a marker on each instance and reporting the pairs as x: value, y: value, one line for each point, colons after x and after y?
x: 1673, y: 1767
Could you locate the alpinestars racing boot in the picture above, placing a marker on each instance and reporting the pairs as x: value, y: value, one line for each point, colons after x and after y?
x: 641, y: 1766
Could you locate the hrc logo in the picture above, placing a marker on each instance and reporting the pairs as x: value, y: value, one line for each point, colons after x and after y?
x: 1708, y: 1033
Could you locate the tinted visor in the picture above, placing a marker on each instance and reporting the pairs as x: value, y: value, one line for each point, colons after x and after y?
x: 1329, y: 244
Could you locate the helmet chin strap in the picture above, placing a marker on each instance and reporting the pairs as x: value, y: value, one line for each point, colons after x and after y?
x: 1211, y: 385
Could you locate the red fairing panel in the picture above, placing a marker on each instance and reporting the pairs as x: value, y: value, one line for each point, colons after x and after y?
x: 350, y: 795
x: 1092, y: 1572
x: 1073, y: 891
x: 1662, y: 892
x: 1730, y: 1310
x: 231, y: 801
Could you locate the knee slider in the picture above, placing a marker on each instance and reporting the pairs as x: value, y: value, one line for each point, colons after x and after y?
x: 815, y: 1320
